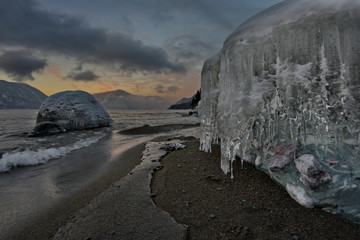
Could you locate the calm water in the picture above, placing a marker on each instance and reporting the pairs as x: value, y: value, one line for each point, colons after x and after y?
x: 36, y: 173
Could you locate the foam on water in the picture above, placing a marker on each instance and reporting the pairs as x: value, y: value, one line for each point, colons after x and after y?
x: 42, y: 155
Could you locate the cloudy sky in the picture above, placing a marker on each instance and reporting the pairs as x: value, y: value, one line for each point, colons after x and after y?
x: 145, y: 47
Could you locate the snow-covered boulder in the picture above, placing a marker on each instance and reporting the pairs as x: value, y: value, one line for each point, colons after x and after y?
x: 290, y: 76
x: 70, y: 110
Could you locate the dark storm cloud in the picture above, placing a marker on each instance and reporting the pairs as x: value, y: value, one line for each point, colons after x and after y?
x: 159, y: 88
x: 20, y: 65
x: 165, y: 10
x: 173, y: 89
x: 207, y: 22
x: 211, y: 12
x: 24, y: 23
x: 79, y: 67
x: 134, y: 55
x: 86, y: 76
x: 190, y: 47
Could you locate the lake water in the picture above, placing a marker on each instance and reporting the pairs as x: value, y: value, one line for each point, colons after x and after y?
x: 16, y: 149
x: 37, y: 173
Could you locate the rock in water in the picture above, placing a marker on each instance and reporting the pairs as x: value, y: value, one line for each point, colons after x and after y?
x: 46, y: 128
x: 291, y: 74
x: 70, y: 110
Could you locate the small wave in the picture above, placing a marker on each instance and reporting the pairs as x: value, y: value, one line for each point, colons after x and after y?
x: 42, y: 156
x: 22, y: 134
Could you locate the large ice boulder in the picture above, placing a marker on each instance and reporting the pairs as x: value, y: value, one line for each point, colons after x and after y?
x: 284, y: 94
x: 70, y: 110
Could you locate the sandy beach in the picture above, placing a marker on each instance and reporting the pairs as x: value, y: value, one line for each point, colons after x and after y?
x: 189, y: 198
x: 194, y: 190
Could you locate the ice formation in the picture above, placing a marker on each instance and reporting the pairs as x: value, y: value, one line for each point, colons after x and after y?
x: 286, y: 84
x: 71, y: 110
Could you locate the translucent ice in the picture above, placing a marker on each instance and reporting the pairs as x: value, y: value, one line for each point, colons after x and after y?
x: 290, y: 76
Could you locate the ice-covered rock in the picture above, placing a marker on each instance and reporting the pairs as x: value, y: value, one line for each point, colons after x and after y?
x: 284, y: 154
x: 300, y: 195
x: 312, y: 173
x: 70, y: 110
x: 289, y: 75
x: 46, y: 128
x: 172, y: 147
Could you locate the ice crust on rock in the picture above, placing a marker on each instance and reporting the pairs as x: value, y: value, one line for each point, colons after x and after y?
x: 284, y: 13
x: 72, y: 110
x: 172, y: 146
x: 46, y: 128
x: 300, y: 195
x: 290, y: 75
x: 312, y: 173
x: 284, y: 155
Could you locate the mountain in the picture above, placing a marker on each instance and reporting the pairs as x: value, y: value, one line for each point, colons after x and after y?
x: 184, y: 103
x: 120, y: 99
x: 19, y: 96
x: 187, y: 103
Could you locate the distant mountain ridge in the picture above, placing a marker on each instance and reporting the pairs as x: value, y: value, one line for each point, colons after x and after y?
x: 19, y: 96
x: 187, y: 103
x: 184, y: 103
x: 123, y: 100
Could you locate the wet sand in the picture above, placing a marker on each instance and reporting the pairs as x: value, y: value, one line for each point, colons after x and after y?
x: 47, y: 224
x: 146, y: 129
x: 126, y: 210
x: 193, y: 189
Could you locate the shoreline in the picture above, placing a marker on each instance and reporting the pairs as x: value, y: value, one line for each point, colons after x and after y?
x: 182, y: 195
x: 47, y: 223
x: 194, y: 190
x: 125, y: 210
x: 147, y: 129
